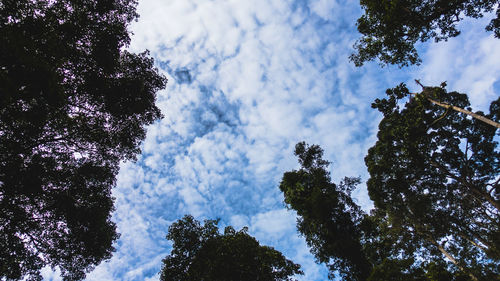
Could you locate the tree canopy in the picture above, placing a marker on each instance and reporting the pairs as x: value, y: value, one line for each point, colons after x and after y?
x: 328, y: 217
x: 435, y: 173
x: 426, y: 224
x: 73, y: 104
x: 391, y: 28
x: 200, y: 252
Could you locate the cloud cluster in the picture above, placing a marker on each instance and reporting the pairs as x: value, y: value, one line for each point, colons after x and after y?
x: 469, y: 63
x: 247, y: 81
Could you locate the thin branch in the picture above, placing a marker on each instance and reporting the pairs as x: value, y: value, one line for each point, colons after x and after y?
x: 475, y: 190
x: 459, y: 109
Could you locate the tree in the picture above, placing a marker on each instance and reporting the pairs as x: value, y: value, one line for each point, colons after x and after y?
x: 329, y: 219
x: 73, y: 104
x: 356, y: 245
x: 202, y: 253
x: 391, y: 28
x: 434, y: 172
x: 390, y: 243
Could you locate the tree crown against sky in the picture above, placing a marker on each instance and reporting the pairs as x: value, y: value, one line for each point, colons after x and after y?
x: 434, y: 171
x: 434, y: 229
x: 328, y: 217
x: 200, y: 252
x: 73, y: 103
x: 391, y: 28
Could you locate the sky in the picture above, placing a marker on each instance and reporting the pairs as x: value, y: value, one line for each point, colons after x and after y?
x: 247, y: 80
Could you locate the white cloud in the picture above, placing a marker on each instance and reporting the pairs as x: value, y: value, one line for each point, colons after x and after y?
x: 273, y: 225
x: 469, y: 63
x: 325, y: 8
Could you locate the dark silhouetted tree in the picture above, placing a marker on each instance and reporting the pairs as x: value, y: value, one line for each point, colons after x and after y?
x: 202, y: 253
x: 390, y: 243
x: 328, y: 218
x: 391, y: 28
x: 73, y: 104
x: 435, y: 173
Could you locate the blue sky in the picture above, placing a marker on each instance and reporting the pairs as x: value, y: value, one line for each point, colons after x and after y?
x: 247, y: 81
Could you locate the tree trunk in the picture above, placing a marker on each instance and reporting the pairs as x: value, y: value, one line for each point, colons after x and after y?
x: 474, y: 115
x: 484, y: 248
x: 459, y: 109
x: 451, y: 258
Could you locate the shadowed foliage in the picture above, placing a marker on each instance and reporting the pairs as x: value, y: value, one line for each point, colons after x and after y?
x: 202, y: 253
x: 73, y: 104
x: 435, y: 173
x: 391, y: 28
x: 328, y: 218
x: 434, y: 231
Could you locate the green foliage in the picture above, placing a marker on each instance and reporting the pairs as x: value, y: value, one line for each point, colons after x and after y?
x: 421, y: 212
x: 328, y: 218
x: 202, y: 253
x: 72, y: 105
x: 391, y: 28
x: 434, y: 172
x: 396, y: 269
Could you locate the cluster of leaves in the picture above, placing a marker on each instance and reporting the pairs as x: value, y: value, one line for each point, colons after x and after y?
x: 434, y: 181
x: 72, y: 105
x: 328, y: 218
x: 391, y: 28
x: 202, y: 253
x: 434, y: 172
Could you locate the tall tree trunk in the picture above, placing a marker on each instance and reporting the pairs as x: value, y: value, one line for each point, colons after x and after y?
x: 470, y: 240
x: 459, y: 109
x: 474, y: 115
x: 451, y: 258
